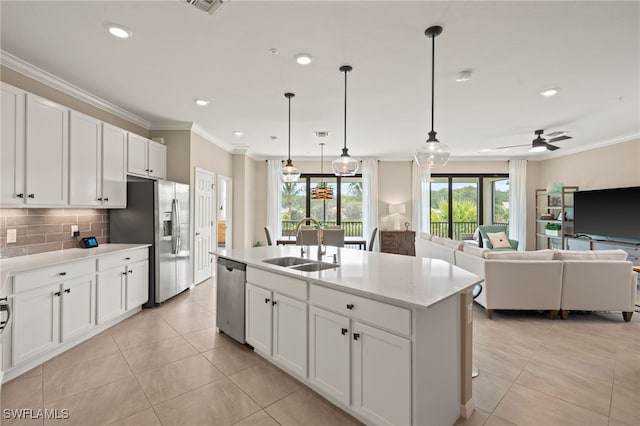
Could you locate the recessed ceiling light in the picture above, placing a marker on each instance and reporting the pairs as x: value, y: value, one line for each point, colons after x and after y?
x: 304, y: 58
x: 549, y: 92
x: 538, y: 149
x: 273, y: 138
x: 201, y: 102
x: 119, y: 31
x: 238, y: 133
x: 464, y: 76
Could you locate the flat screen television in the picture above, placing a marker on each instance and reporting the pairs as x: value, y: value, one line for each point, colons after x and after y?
x: 612, y: 214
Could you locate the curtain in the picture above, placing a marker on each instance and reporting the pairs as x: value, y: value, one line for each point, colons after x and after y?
x: 518, y: 202
x: 274, y: 198
x: 421, y: 216
x: 369, y: 197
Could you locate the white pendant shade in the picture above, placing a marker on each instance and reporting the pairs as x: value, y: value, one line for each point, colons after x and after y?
x: 432, y: 154
x: 345, y: 166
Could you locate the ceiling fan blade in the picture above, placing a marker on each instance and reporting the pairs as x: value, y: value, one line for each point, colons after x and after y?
x: 552, y: 147
x: 512, y: 146
x: 560, y: 138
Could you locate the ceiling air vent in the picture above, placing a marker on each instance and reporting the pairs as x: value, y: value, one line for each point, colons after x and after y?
x: 209, y: 6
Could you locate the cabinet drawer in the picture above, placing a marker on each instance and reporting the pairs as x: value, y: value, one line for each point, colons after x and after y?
x: 284, y: 285
x: 381, y: 314
x: 122, y: 258
x: 52, y: 274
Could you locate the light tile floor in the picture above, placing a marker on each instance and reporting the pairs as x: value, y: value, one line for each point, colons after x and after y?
x: 168, y: 366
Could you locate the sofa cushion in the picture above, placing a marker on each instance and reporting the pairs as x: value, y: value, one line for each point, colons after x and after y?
x: 519, y: 255
x: 499, y: 240
x: 424, y: 236
x: 590, y: 255
x: 476, y: 251
x: 453, y: 244
x: 438, y: 240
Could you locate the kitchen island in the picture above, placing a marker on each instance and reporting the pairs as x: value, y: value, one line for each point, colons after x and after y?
x: 385, y: 337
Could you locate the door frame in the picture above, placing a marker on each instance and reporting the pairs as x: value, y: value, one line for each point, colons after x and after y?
x: 227, y: 206
x: 212, y: 231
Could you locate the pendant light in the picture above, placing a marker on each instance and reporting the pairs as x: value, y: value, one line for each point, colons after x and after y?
x: 433, y: 153
x: 322, y: 191
x: 289, y: 172
x: 345, y: 165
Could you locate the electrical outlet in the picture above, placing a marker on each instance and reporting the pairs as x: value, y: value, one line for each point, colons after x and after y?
x: 11, y: 236
x: 74, y: 229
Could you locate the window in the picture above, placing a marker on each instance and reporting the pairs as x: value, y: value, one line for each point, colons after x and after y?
x: 345, y: 208
x: 458, y: 203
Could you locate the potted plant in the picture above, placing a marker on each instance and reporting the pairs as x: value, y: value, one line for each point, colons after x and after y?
x: 552, y: 229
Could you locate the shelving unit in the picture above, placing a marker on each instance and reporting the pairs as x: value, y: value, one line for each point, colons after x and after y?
x: 554, y: 207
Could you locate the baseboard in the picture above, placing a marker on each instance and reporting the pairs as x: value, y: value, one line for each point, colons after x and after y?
x: 467, y: 409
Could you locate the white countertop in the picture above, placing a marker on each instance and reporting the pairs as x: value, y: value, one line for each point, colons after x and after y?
x: 407, y: 280
x: 18, y: 264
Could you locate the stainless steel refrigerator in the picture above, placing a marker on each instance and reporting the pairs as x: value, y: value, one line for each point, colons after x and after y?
x: 157, y: 213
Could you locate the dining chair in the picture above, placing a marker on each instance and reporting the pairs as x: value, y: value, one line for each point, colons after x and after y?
x: 372, y: 240
x: 334, y: 227
x: 307, y: 237
x: 333, y: 237
x: 267, y: 232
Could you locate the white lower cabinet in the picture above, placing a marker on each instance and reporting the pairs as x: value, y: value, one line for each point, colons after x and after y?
x: 111, y: 294
x: 276, y: 325
x: 381, y: 375
x: 78, y: 306
x: 137, y: 284
x: 329, y: 347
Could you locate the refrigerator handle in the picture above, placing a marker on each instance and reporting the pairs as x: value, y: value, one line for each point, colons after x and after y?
x: 174, y: 233
x: 178, y: 227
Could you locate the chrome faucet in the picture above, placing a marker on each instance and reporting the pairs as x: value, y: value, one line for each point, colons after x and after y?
x: 321, y: 251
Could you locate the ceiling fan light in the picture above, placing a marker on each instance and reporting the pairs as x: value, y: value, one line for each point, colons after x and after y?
x: 538, y: 148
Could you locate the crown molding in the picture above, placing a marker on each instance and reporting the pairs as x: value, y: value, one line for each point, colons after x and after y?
x: 195, y: 128
x: 42, y: 76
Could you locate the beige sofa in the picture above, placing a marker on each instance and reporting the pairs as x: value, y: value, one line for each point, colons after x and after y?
x: 560, y: 280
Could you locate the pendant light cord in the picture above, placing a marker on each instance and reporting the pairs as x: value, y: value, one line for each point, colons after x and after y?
x: 345, y: 108
x: 433, y: 71
x: 289, y: 150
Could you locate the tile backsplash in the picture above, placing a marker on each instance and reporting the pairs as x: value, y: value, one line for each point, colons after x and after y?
x: 40, y: 230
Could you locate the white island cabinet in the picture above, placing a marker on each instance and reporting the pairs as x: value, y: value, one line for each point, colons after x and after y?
x: 384, y: 337
x: 60, y: 299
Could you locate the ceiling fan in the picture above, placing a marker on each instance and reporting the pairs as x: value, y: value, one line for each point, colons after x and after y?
x: 543, y: 144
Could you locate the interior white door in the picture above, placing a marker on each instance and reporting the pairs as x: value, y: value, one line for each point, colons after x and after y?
x: 203, y: 238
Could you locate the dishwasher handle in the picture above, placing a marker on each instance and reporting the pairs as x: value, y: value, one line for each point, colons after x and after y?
x: 4, y: 325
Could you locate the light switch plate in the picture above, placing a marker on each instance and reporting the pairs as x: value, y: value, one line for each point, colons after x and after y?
x: 11, y: 236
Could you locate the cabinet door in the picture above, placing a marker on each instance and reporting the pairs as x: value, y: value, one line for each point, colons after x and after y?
x: 290, y: 333
x: 137, y: 284
x: 12, y: 149
x: 258, y: 318
x: 78, y: 312
x: 136, y: 155
x: 85, y: 183
x: 329, y: 336
x: 157, y: 160
x: 381, y: 371
x: 36, y: 324
x: 110, y: 294
x: 47, y: 152
x: 114, y: 166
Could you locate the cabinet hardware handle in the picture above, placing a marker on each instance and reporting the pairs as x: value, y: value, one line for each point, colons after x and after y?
x: 197, y: 233
x: 344, y: 331
x: 151, y: 171
x: 62, y: 273
x: 31, y: 195
x: 350, y: 305
x: 124, y: 273
x: 100, y: 199
x: 106, y: 199
x: 4, y: 299
x: 57, y: 293
x: 20, y: 195
x: 146, y: 170
x: 356, y: 336
x: 267, y: 300
x: 274, y: 303
x: 127, y: 258
x: 131, y: 271
x: 68, y: 290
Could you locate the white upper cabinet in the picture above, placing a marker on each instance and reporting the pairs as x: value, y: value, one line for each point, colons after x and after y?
x: 146, y: 157
x: 85, y: 185
x: 114, y: 166
x: 12, y: 190
x: 47, y: 152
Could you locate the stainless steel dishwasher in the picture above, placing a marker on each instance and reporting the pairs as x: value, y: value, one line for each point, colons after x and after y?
x: 232, y: 277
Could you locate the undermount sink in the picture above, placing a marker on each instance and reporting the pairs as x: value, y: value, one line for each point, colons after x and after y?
x: 287, y: 261
x: 300, y: 264
x: 316, y: 266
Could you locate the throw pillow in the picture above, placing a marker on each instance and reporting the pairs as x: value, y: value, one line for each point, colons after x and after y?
x: 453, y: 244
x: 438, y: 240
x: 499, y: 240
x: 476, y: 251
